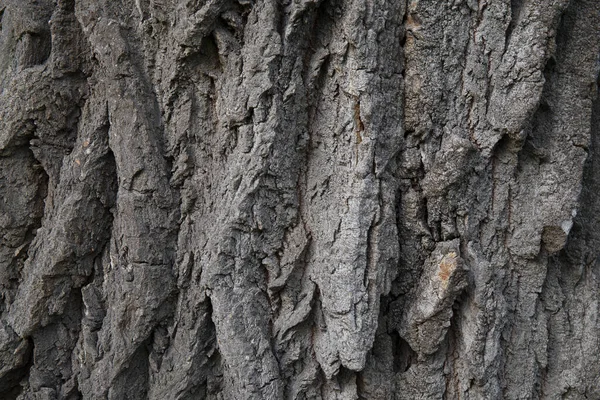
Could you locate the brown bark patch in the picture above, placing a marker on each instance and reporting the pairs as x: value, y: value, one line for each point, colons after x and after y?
x: 447, y: 266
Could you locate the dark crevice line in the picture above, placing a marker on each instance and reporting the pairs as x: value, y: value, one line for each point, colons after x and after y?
x: 404, y: 356
x: 516, y: 6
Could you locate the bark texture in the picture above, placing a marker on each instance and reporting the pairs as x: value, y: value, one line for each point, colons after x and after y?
x: 299, y: 199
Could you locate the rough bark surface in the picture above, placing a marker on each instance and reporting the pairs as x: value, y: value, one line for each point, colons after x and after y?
x: 299, y: 199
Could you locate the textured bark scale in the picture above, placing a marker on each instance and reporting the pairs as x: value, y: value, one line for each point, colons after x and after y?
x: 299, y: 199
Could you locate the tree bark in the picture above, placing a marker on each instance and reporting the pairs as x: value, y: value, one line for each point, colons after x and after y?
x: 299, y: 199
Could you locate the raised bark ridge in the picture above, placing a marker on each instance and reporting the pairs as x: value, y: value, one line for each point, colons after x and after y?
x: 312, y: 199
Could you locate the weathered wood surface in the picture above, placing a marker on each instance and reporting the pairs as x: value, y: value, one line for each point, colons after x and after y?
x: 296, y: 199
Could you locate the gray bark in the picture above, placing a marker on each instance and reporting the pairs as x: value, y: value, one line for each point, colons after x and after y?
x: 299, y: 199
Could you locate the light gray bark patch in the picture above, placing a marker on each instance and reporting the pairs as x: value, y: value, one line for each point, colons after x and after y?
x: 427, y: 318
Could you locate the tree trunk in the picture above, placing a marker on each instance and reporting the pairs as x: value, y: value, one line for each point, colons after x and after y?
x: 299, y: 199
